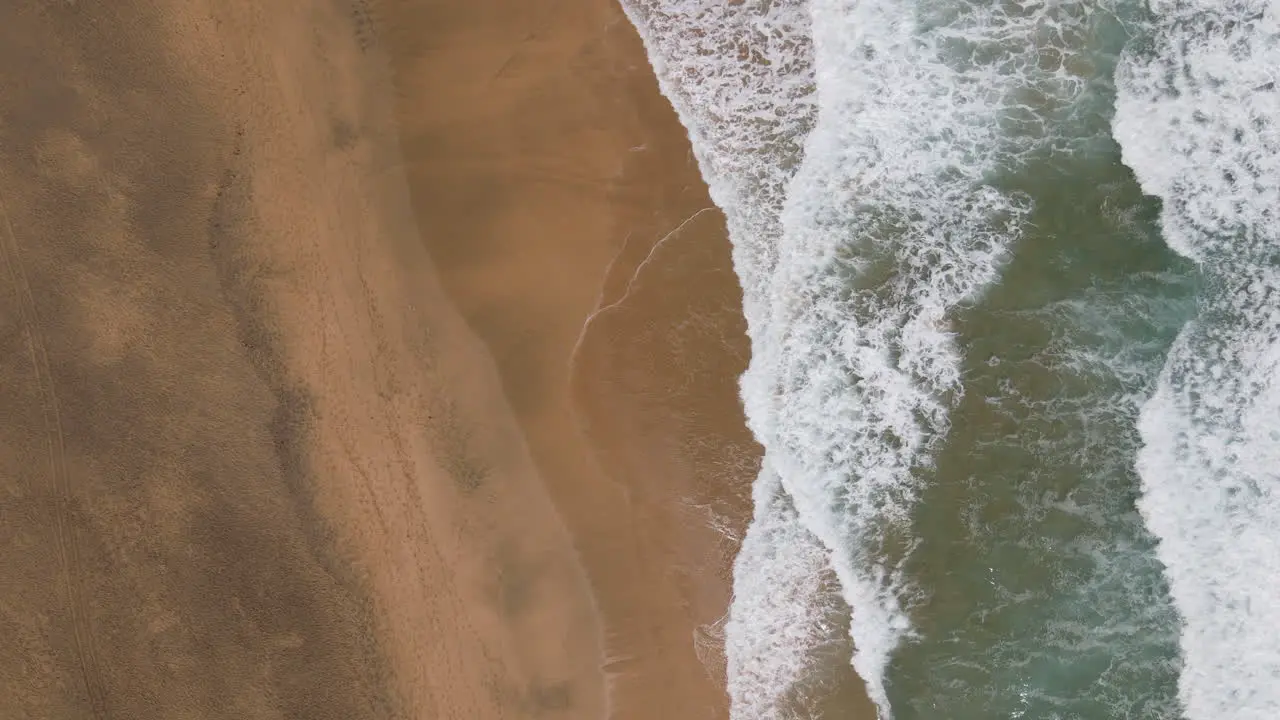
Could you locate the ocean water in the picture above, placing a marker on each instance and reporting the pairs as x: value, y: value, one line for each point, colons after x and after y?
x: 1011, y: 273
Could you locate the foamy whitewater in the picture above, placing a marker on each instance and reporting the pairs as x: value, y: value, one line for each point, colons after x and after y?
x: 1197, y: 117
x: 957, y: 303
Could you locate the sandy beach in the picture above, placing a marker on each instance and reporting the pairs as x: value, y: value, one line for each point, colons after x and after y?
x: 589, y: 258
x: 359, y: 361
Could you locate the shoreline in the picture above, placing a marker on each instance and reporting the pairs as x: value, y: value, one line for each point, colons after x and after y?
x: 550, y: 249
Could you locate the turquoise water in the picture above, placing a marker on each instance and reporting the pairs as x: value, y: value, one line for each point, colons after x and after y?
x: 1020, y: 448
x: 1043, y: 598
x: 1041, y: 595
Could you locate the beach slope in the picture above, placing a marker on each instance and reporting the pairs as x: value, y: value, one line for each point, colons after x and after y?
x: 254, y: 464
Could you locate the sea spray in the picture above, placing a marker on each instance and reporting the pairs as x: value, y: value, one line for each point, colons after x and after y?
x: 1196, y: 117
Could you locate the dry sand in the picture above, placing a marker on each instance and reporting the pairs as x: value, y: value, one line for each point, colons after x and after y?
x: 303, y: 416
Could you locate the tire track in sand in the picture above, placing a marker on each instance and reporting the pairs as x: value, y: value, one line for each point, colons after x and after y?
x: 68, y: 548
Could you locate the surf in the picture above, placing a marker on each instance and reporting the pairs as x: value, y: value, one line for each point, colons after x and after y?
x: 1196, y: 118
x: 856, y: 149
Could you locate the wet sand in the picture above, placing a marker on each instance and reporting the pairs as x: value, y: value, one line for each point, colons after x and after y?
x: 304, y: 416
x: 559, y: 199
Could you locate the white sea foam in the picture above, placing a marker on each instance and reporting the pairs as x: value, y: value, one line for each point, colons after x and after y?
x: 1197, y: 120
x: 781, y: 614
x: 853, y: 146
